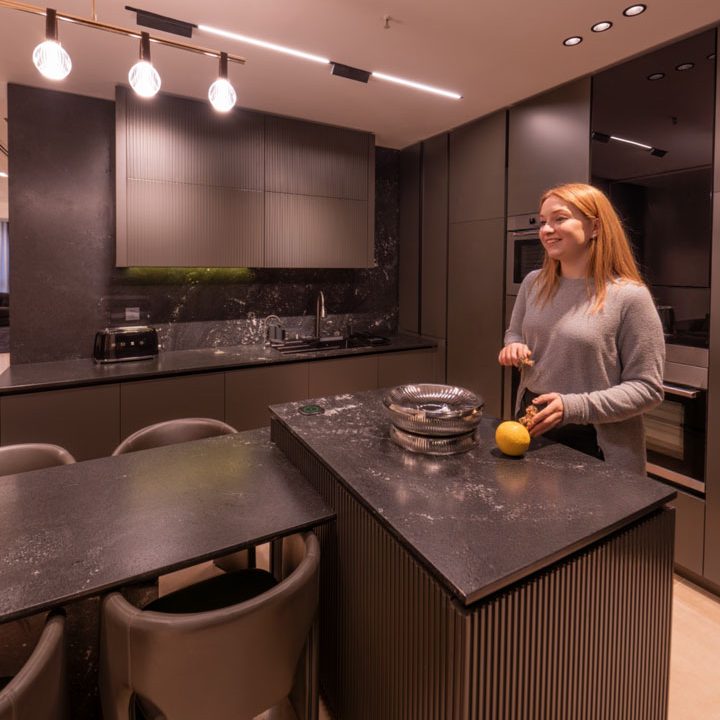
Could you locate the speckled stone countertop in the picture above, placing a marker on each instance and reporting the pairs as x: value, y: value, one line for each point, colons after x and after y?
x: 28, y: 377
x: 73, y: 531
x: 478, y: 521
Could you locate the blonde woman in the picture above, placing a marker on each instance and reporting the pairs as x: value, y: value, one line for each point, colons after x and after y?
x: 589, y: 326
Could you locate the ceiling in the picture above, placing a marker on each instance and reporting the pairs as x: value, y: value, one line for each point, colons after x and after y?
x: 494, y: 54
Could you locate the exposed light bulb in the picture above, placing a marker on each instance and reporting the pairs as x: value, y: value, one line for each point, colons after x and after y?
x: 144, y: 79
x: 49, y: 57
x: 221, y: 93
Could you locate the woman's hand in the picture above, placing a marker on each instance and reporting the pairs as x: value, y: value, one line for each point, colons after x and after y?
x: 514, y: 353
x: 550, y: 416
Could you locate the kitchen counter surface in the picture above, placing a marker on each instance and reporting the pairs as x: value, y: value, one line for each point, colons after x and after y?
x: 29, y: 377
x: 77, y: 530
x: 478, y: 521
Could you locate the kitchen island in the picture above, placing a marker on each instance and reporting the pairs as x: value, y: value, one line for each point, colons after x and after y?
x: 480, y: 586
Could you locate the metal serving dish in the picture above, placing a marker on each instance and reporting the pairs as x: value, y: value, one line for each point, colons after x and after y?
x: 429, y: 445
x: 434, y: 410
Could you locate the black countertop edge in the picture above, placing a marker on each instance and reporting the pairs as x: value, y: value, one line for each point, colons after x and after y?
x: 35, y: 377
x: 140, y: 578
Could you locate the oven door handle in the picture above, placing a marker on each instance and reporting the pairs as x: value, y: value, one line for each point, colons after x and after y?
x: 680, y: 391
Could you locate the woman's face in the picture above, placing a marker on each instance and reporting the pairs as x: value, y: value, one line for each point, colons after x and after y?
x: 564, y: 231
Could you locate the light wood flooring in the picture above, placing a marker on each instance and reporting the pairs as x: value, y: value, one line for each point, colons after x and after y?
x: 694, y: 654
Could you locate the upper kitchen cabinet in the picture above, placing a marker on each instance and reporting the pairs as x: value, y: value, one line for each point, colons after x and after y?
x: 190, y: 184
x: 548, y: 144
x: 477, y: 169
x: 319, y: 199
x: 195, y: 188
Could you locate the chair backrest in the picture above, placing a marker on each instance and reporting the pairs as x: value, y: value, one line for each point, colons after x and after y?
x: 230, y: 663
x: 173, y: 431
x: 38, y: 690
x: 32, y: 456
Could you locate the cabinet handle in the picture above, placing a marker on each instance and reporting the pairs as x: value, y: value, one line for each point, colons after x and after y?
x: 680, y: 391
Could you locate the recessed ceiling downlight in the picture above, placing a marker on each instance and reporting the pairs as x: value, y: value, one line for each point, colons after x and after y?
x: 634, y: 10
x: 685, y: 66
x: 601, y: 26
x: 656, y: 76
x: 571, y: 41
x: 711, y: 56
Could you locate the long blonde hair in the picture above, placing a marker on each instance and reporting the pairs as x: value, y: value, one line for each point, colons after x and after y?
x: 610, y: 258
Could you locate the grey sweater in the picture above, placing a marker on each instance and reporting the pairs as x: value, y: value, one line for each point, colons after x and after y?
x: 607, y: 366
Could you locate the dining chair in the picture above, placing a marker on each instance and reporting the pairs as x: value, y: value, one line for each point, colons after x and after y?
x: 32, y: 456
x: 182, y: 659
x: 38, y: 690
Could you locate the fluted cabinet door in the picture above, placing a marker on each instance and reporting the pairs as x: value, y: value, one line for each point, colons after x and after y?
x: 189, y: 184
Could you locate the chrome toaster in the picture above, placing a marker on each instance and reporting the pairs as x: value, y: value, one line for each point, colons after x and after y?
x: 121, y: 344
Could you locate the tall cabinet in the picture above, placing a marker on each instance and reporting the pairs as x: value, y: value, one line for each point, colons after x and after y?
x: 476, y: 257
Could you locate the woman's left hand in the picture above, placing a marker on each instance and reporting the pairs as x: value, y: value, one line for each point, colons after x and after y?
x: 550, y: 416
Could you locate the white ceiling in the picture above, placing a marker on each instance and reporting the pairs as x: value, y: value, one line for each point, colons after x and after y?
x: 494, y: 53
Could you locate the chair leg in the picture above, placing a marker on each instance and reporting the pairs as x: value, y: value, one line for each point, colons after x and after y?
x: 312, y: 682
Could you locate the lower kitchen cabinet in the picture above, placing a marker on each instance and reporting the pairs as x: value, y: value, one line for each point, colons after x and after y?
x: 249, y: 392
x: 407, y: 367
x: 689, y: 531
x: 345, y: 375
x: 85, y: 421
x: 151, y: 401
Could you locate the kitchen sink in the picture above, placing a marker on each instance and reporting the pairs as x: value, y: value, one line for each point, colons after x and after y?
x: 330, y: 342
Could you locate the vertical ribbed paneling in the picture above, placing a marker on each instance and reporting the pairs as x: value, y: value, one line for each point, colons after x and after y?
x: 310, y: 231
x: 309, y: 159
x: 194, y: 184
x: 585, y: 640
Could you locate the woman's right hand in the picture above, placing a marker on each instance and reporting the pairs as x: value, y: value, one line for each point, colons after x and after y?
x: 514, y: 353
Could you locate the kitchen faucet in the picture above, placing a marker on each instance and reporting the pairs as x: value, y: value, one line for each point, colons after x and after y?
x: 319, y: 311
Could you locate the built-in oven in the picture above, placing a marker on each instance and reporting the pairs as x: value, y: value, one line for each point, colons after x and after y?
x: 524, y: 250
x: 675, y: 430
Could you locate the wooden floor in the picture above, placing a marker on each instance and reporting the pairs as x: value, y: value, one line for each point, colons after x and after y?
x: 694, y: 654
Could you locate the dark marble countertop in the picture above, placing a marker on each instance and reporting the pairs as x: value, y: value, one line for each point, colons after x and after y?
x: 28, y: 377
x: 77, y: 530
x: 478, y: 521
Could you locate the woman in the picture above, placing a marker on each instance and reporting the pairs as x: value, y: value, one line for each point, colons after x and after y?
x: 586, y: 333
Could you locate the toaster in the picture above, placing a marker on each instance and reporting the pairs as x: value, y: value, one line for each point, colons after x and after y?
x: 120, y: 344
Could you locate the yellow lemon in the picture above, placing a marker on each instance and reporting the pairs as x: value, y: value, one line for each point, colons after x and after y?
x: 512, y: 438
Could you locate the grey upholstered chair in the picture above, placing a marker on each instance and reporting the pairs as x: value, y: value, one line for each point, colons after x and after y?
x: 173, y: 431
x: 32, y: 456
x: 230, y: 663
x: 37, y: 691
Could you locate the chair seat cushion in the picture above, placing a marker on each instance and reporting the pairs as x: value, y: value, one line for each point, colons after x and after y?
x: 217, y: 592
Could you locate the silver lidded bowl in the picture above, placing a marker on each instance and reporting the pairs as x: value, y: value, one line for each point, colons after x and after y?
x: 434, y: 410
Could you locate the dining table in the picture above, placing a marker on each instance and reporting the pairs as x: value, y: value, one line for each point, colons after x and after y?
x: 70, y: 534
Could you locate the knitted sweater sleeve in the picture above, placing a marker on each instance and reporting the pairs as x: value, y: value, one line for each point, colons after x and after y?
x: 641, y: 353
x: 514, y: 333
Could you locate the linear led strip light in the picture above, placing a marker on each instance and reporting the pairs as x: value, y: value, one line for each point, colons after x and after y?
x: 604, y: 138
x: 338, y: 68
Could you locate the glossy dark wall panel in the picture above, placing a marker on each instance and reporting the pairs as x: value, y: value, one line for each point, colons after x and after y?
x: 62, y: 257
x: 409, y: 291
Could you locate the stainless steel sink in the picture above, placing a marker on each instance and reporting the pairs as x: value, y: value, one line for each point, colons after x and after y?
x: 331, y: 342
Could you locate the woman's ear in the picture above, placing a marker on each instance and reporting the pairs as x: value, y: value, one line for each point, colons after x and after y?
x: 595, y: 228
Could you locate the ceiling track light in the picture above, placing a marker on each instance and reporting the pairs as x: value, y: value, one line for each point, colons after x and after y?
x: 221, y: 93
x: 144, y: 79
x: 49, y: 57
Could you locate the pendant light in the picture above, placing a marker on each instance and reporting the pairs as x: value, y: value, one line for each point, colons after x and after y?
x: 143, y: 77
x: 49, y: 57
x: 221, y: 93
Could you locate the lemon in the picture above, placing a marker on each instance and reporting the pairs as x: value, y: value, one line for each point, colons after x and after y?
x: 512, y: 438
